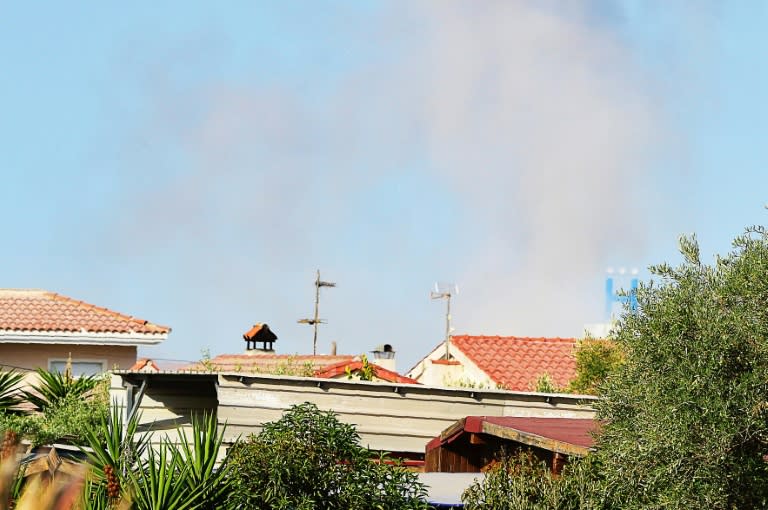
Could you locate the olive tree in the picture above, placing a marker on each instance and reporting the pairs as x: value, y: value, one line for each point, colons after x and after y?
x: 686, y: 414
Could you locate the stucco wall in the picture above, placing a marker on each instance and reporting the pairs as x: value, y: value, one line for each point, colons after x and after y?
x: 463, y: 374
x: 32, y: 356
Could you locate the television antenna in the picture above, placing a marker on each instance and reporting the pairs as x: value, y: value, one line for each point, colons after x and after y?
x: 316, y: 319
x: 445, y: 291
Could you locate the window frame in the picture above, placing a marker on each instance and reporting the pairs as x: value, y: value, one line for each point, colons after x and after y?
x: 100, y: 361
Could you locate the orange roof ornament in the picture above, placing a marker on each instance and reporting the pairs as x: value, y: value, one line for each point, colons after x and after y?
x: 260, y: 333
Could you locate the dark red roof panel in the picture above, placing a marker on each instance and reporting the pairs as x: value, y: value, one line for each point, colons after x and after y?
x: 573, y: 431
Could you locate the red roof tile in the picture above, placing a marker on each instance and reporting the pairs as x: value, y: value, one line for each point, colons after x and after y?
x: 144, y: 365
x: 382, y: 373
x: 515, y: 362
x: 270, y: 363
x: 43, y: 311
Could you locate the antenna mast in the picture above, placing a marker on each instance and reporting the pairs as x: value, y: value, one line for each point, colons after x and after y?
x: 445, y: 291
x: 316, y: 320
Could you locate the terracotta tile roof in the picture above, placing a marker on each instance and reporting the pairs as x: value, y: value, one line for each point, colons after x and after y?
x: 515, y: 362
x: 270, y: 363
x: 43, y: 311
x: 382, y: 373
x: 144, y: 365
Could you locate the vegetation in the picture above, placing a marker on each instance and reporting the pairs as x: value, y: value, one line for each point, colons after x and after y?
x: 522, y: 482
x: 307, y: 459
x: 9, y: 391
x: 687, y: 413
x: 167, y: 476
x: 545, y: 384
x: 684, y: 398
x: 310, y: 460
x: 596, y: 359
x: 61, y: 410
x: 367, y: 370
x: 55, y: 387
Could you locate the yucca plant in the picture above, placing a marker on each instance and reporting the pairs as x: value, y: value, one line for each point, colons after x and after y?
x: 54, y: 387
x: 114, y: 449
x: 161, y: 483
x: 200, y: 452
x: 9, y: 390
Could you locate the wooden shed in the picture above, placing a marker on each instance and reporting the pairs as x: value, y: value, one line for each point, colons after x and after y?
x: 472, y: 443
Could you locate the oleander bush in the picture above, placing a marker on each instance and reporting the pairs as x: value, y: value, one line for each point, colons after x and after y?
x: 308, y: 459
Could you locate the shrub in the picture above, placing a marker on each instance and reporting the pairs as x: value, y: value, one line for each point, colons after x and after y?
x: 596, y: 359
x: 522, y: 482
x: 310, y: 460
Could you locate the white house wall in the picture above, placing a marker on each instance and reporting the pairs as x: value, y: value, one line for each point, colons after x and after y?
x: 464, y: 374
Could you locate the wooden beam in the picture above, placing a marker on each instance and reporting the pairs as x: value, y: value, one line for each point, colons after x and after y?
x: 536, y: 440
x: 476, y: 439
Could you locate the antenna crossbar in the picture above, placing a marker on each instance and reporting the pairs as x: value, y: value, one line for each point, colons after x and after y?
x: 316, y: 319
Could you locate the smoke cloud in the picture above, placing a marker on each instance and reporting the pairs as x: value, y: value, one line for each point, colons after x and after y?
x: 496, y: 144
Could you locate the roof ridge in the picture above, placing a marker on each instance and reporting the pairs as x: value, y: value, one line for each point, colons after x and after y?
x: 512, y: 337
x: 44, y: 310
x: 104, y: 309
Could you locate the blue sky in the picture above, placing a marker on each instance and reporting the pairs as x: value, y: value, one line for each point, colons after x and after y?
x: 194, y: 164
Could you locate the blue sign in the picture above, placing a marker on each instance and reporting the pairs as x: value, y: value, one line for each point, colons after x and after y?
x: 612, y: 297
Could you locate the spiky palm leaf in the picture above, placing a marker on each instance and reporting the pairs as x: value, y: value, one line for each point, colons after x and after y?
x: 9, y: 390
x: 161, y: 482
x: 115, y: 443
x: 201, y: 455
x: 55, y: 387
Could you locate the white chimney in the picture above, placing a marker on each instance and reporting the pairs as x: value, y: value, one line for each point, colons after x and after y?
x: 384, y: 356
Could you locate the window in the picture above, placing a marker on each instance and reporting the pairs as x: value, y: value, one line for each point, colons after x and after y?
x: 79, y: 367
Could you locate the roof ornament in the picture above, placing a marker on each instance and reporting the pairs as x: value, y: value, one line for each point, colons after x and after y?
x: 260, y: 333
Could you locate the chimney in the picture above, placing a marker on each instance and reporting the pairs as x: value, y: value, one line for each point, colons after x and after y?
x: 384, y: 356
x: 333, y: 348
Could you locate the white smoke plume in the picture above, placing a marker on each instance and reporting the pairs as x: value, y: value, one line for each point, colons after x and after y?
x: 497, y: 144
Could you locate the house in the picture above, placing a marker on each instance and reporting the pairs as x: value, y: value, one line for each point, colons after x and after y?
x: 508, y: 362
x: 42, y: 329
x: 473, y: 443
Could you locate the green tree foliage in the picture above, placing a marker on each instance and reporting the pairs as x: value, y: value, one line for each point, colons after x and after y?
x: 596, y: 359
x: 310, y: 460
x: 687, y: 413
